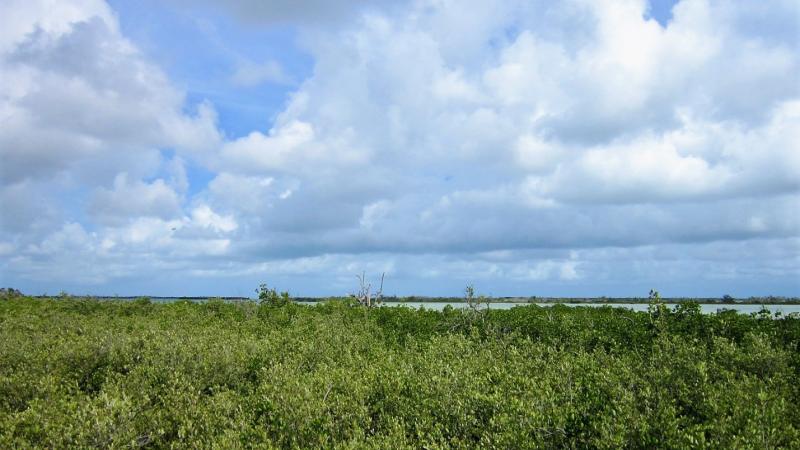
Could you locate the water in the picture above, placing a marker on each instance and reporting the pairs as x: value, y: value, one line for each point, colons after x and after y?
x: 705, y: 308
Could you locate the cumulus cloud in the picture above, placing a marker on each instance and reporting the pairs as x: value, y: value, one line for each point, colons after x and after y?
x: 627, y: 111
x: 207, y: 218
x: 135, y: 199
x: 85, y: 120
x: 81, y: 100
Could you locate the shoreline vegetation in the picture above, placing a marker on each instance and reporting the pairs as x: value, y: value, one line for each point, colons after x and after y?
x: 769, y: 300
x: 418, y: 299
x: 765, y: 300
x: 79, y: 373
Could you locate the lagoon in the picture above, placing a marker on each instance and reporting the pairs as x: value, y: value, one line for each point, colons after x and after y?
x: 707, y: 308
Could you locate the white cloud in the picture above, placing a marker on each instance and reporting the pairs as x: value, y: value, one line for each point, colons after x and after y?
x: 23, y: 17
x: 373, y: 212
x: 205, y: 217
x: 133, y: 199
x: 282, y: 150
x: 242, y: 193
x: 71, y: 237
x: 81, y: 100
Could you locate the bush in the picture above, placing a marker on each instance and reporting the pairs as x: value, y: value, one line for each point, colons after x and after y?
x: 270, y: 297
x: 83, y: 373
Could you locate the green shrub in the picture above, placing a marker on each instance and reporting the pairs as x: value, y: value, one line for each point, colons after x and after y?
x: 84, y: 373
x: 270, y: 297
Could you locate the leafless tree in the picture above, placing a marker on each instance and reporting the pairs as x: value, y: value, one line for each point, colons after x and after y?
x: 365, y: 295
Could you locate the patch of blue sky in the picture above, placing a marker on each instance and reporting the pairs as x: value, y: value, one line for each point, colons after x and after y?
x: 660, y: 11
x: 201, y: 50
x: 72, y: 201
x: 197, y: 176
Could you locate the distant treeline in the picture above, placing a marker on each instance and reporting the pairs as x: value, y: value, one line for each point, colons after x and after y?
x: 535, y: 299
x: 725, y: 299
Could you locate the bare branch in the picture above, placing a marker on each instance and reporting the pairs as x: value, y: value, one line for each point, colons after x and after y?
x: 379, y: 294
x: 365, y: 294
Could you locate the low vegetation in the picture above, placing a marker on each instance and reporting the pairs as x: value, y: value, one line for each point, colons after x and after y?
x: 84, y: 373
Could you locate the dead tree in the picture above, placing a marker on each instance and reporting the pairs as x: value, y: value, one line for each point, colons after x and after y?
x: 365, y: 295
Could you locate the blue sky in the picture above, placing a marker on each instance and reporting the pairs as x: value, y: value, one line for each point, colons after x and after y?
x: 200, y: 49
x: 565, y: 148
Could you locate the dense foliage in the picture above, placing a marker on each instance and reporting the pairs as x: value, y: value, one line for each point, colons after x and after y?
x: 79, y: 373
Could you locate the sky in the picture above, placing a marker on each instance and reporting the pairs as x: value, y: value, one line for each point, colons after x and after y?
x: 526, y: 147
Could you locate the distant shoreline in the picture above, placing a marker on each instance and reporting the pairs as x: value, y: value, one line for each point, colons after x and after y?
x: 770, y: 300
